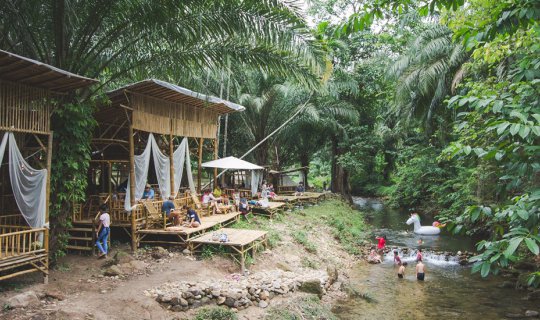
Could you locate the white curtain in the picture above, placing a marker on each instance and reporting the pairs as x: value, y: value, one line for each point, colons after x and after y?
x: 3, y: 146
x: 255, y: 177
x: 181, y: 157
x: 142, y: 162
x: 29, y: 185
x: 162, y: 165
x: 188, y: 169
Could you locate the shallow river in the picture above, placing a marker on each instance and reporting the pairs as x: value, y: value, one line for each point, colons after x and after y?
x: 450, y: 291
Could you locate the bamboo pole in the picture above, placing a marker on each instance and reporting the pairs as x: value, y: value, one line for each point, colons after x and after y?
x: 47, y: 200
x: 199, y: 171
x: 171, y: 162
x: 216, y: 150
x: 109, y: 163
x: 132, y: 187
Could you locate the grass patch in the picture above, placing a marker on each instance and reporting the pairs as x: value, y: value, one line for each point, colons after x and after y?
x: 260, y: 223
x: 308, y: 263
x: 301, y: 238
x: 348, y: 224
x: 301, y: 308
x: 215, y: 313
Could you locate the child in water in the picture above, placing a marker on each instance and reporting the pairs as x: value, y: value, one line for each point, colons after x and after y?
x: 401, y: 270
x: 397, y: 259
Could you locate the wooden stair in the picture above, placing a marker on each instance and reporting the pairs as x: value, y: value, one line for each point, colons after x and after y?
x: 81, y: 238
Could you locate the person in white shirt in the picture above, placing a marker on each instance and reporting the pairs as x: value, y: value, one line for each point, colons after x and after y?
x: 208, y: 200
x: 103, y: 231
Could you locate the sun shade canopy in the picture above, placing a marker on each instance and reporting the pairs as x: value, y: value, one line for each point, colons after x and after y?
x: 15, y: 68
x: 173, y: 93
x: 231, y: 163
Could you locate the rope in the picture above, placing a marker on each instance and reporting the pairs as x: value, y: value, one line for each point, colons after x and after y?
x: 266, y: 138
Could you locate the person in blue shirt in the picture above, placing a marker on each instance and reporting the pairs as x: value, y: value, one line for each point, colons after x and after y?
x: 300, y: 189
x: 192, y: 218
x: 169, y: 209
x: 148, y: 193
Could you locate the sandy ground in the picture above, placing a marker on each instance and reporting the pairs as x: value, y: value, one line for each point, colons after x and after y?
x: 86, y: 294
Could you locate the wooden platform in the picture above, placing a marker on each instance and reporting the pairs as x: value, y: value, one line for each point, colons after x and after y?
x: 308, y: 197
x: 241, y: 241
x: 272, y: 209
x: 181, y: 235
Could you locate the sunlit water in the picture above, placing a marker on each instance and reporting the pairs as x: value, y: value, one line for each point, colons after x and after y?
x: 450, y: 291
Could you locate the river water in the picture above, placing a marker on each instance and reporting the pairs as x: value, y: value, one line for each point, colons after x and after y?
x: 450, y: 291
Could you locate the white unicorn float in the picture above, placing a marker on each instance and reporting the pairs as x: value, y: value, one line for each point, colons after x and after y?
x: 418, y: 229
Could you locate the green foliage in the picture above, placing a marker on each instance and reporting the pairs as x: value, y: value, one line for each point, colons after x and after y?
x: 499, y: 124
x: 300, y: 308
x: 215, y: 313
x: 73, y: 126
x: 347, y: 223
x: 301, y: 238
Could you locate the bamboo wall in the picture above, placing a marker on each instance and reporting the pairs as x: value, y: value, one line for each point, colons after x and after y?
x: 24, y: 108
x: 159, y: 116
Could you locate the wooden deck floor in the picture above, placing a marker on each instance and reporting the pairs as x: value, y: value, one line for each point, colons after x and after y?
x: 241, y: 241
x: 272, y: 209
x: 180, y: 235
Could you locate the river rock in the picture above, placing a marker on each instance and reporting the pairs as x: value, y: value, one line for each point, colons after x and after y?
x: 112, y: 271
x: 332, y: 274
x: 263, y: 304
x: 312, y: 286
x: 220, y: 300
x: 531, y: 313
x: 513, y: 315
x: 54, y: 294
x: 138, y: 265
x: 122, y: 257
x: 23, y: 300
x: 264, y: 295
x: 229, y: 302
x: 186, y: 252
x: 159, y: 253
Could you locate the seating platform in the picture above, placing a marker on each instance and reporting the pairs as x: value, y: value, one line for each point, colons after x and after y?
x: 179, y: 235
x: 241, y: 241
x: 272, y: 209
x: 308, y: 197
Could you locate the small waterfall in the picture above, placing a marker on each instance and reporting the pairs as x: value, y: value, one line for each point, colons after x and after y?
x: 428, y: 257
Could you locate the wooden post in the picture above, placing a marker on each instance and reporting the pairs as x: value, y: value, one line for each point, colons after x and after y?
x: 109, y: 163
x: 216, y: 149
x: 47, y: 200
x: 49, y: 164
x: 132, y: 187
x: 171, y: 152
x: 199, y: 171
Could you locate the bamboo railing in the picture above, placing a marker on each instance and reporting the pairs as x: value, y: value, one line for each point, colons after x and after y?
x: 23, y: 241
x: 12, y: 220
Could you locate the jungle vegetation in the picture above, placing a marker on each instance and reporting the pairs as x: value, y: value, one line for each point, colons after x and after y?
x: 432, y: 104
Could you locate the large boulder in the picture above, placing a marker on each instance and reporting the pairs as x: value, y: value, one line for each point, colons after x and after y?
x: 112, y: 271
x: 23, y: 300
x: 312, y: 286
x: 332, y: 274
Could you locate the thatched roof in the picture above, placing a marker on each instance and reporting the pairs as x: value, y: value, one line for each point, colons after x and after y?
x: 167, y: 91
x: 18, y: 69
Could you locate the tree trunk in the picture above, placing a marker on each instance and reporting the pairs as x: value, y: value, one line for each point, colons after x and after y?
x: 304, y: 162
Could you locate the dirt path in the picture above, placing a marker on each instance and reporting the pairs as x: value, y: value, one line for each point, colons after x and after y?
x: 81, y: 291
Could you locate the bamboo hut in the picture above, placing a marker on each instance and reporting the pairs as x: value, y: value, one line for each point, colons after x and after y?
x: 27, y: 88
x: 147, y: 113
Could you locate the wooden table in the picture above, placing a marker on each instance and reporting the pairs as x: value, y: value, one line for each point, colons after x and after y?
x: 272, y: 209
x: 241, y: 241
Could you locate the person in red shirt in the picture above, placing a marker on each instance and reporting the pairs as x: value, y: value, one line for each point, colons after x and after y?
x: 381, y: 244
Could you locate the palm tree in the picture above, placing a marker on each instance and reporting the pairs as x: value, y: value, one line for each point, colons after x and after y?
x: 115, y: 39
x: 425, y: 74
